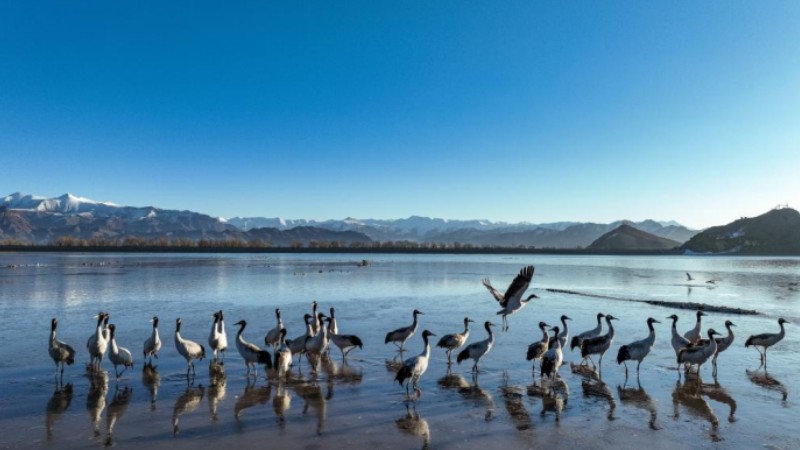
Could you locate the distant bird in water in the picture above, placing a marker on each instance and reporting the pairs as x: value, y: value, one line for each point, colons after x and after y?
x: 345, y: 342
x: 552, y: 359
x: 479, y: 349
x: 97, y: 343
x: 273, y: 335
x: 699, y: 354
x: 61, y: 352
x: 638, y: 350
x: 563, y: 335
x: 188, y: 349
x: 600, y: 344
x: 512, y: 300
x: 540, y: 347
x: 766, y: 340
x: 152, y: 344
x: 402, y: 335
x: 454, y: 341
x: 119, y: 356
x: 250, y: 352
x: 689, y: 277
x: 413, y: 368
x: 217, y: 338
x: 594, y: 332
x: 695, y: 333
x: 314, y: 325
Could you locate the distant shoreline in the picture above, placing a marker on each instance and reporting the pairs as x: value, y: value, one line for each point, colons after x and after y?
x: 342, y: 250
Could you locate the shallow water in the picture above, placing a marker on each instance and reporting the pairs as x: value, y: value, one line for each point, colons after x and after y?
x: 358, y: 404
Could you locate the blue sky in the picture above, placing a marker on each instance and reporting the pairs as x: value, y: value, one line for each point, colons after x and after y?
x: 535, y: 111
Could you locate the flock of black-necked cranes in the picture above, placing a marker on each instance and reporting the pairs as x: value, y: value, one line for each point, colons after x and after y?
x: 691, y: 349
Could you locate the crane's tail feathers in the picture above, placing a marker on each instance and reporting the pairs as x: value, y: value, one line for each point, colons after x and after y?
x: 265, y: 358
x: 356, y: 341
x: 388, y: 338
x: 748, y: 342
x: 403, y: 374
x: 531, y: 352
x: 202, y: 352
x: 462, y: 355
x: 576, y: 342
x: 623, y: 354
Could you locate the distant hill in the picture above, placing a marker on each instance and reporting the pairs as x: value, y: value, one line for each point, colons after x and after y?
x: 775, y: 232
x: 626, y: 237
x: 39, y: 220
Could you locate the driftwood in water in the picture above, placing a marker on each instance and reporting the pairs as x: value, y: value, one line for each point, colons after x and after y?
x: 679, y: 305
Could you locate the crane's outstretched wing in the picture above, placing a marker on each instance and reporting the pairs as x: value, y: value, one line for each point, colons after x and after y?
x: 495, y: 293
x: 520, y: 283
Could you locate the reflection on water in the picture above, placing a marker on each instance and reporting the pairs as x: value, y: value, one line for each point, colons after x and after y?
x: 315, y: 400
x: 253, y: 395
x: 764, y: 379
x: 718, y: 393
x: 637, y: 397
x: 281, y: 403
x: 96, y: 398
x: 689, y: 395
x: 515, y: 407
x: 411, y: 423
x: 473, y: 393
x: 216, y: 389
x: 117, y: 407
x: 600, y: 390
x: 186, y: 403
x: 151, y: 380
x: 56, y: 406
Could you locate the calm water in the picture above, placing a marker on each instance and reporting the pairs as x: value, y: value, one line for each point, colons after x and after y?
x: 358, y: 404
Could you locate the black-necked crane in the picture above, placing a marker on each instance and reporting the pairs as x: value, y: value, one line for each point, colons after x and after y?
x: 594, y: 332
x: 689, y: 277
x: 283, y: 355
x: 695, y: 334
x: 317, y: 345
x: 552, y: 360
x: 413, y: 368
x: 190, y: 350
x: 97, y: 344
x: 152, y: 344
x: 699, y: 354
x: 563, y: 335
x: 454, y: 341
x: 600, y: 344
x: 512, y: 300
x: 61, y: 352
x: 538, y: 348
x: 678, y: 342
x: 638, y: 350
x: 478, y: 350
x: 345, y: 342
x: 766, y: 340
x: 217, y: 338
x: 250, y: 352
x: 273, y: 336
x: 298, y: 344
x: 402, y: 335
x: 119, y: 356
x: 314, y: 325
x: 722, y: 344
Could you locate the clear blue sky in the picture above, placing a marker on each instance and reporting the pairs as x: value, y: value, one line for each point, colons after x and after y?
x: 536, y: 111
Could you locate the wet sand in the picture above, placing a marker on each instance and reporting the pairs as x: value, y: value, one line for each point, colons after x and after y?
x: 358, y: 405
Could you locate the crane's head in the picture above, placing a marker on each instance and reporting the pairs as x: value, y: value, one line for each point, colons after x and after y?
x: 468, y: 320
x: 729, y: 324
x: 417, y: 312
x: 565, y: 317
x: 651, y: 321
x: 782, y: 321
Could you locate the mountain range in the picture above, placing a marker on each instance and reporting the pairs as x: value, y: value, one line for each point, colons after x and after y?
x: 40, y: 220
x: 776, y: 232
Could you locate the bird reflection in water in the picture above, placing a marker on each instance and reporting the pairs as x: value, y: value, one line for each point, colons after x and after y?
x: 151, y: 381
x: 513, y: 399
x: 764, y: 379
x: 411, y: 423
x: 719, y: 394
x: 638, y: 397
x: 216, y: 387
x: 281, y: 403
x: 186, y: 403
x: 56, y: 407
x: 689, y: 395
x: 117, y: 407
x: 96, y: 399
x: 554, y: 395
x: 599, y: 389
x: 252, y: 396
x: 470, y: 392
x: 315, y: 400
